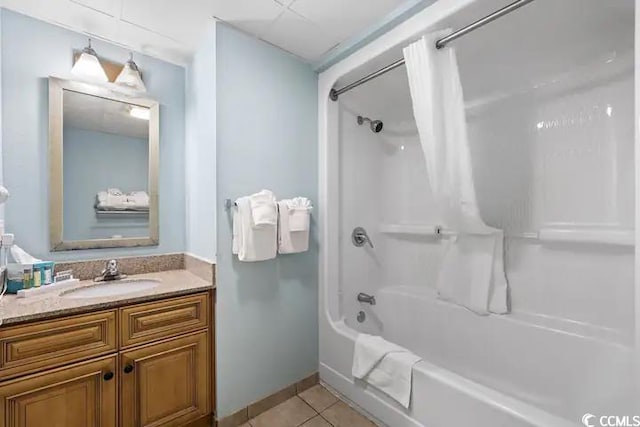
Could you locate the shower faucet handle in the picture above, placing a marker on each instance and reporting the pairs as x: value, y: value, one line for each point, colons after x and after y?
x: 359, y: 237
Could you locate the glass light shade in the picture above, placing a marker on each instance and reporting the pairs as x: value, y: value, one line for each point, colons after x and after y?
x: 130, y: 76
x: 88, y: 66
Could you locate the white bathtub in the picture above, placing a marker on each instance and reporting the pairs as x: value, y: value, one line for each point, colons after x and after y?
x: 540, y: 376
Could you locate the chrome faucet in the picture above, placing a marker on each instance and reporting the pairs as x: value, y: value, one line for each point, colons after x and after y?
x: 110, y: 272
x: 366, y: 298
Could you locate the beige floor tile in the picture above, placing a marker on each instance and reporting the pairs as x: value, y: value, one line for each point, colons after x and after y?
x: 341, y: 415
x: 246, y: 425
x: 317, y: 421
x: 318, y: 397
x: 291, y: 413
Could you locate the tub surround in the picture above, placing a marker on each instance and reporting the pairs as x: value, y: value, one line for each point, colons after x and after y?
x: 52, y: 303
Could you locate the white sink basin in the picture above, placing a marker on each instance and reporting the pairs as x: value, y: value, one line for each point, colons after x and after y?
x: 109, y: 289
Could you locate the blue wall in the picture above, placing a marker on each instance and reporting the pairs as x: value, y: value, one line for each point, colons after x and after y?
x: 201, y: 149
x: 89, y: 160
x: 31, y: 51
x: 267, y: 312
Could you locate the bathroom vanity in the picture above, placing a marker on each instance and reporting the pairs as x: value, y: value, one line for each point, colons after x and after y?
x: 141, y: 359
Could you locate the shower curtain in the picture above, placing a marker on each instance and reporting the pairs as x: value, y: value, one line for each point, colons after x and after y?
x: 472, y: 272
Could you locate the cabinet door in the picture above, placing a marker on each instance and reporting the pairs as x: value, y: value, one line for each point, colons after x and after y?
x: 165, y: 384
x: 80, y: 395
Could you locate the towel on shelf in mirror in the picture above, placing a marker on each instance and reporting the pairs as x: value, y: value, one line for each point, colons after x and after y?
x: 115, y: 200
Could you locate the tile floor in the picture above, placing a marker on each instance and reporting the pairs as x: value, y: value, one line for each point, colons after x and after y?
x: 315, y: 407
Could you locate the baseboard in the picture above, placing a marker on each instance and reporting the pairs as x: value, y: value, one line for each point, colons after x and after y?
x: 245, y: 414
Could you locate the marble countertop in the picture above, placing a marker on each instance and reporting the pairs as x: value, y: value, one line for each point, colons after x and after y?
x: 51, y: 302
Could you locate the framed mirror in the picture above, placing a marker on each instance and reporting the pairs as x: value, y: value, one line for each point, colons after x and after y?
x: 103, y: 167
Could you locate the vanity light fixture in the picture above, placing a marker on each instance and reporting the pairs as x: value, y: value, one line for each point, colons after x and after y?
x: 130, y: 76
x: 88, y: 66
x: 141, y: 113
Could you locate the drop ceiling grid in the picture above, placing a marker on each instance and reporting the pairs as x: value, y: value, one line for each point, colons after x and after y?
x: 171, y: 29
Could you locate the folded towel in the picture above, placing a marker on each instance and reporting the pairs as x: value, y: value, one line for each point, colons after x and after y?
x: 114, y: 200
x: 263, y: 209
x: 290, y: 241
x: 138, y: 198
x: 252, y: 243
x: 384, y: 365
x: 299, y: 210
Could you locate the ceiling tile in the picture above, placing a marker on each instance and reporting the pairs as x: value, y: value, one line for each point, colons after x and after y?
x: 172, y: 29
x: 109, y: 7
x: 68, y: 14
x: 299, y: 36
x: 152, y: 43
x: 344, y: 18
x: 183, y: 21
x: 253, y: 16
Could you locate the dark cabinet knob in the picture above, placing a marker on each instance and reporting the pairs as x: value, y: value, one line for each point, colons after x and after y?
x: 108, y: 376
x: 128, y: 369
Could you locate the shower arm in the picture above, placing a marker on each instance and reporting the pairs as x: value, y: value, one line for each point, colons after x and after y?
x: 335, y: 93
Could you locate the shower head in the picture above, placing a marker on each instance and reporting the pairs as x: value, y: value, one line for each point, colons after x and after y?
x: 375, y: 125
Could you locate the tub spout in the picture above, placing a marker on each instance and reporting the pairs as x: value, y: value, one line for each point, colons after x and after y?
x: 368, y: 299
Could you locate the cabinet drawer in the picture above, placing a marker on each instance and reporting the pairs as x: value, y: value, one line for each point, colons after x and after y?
x: 36, y: 346
x: 163, y: 319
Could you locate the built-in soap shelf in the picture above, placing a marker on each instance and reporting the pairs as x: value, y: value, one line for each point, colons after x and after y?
x: 606, y: 236
x: 411, y: 229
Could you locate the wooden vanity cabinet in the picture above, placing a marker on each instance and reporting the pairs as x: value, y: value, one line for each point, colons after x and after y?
x: 158, y: 374
x: 80, y: 395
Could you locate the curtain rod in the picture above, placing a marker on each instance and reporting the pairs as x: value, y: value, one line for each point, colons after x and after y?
x: 335, y: 93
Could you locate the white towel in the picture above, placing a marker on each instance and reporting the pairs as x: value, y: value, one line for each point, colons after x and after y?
x: 114, y: 200
x: 299, y: 212
x: 263, y: 209
x: 114, y: 197
x: 384, y: 365
x: 290, y: 241
x: 252, y: 243
x: 138, y: 198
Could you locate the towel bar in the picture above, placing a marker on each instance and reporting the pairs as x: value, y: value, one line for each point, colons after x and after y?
x: 228, y: 204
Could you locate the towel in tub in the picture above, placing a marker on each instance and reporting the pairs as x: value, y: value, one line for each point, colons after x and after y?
x: 384, y: 365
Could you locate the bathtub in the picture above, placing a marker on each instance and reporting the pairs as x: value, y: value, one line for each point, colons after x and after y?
x: 536, y: 379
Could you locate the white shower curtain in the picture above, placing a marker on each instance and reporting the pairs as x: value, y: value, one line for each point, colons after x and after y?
x: 472, y: 273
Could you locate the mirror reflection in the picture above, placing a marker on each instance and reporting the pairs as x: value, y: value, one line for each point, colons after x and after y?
x: 105, y: 168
